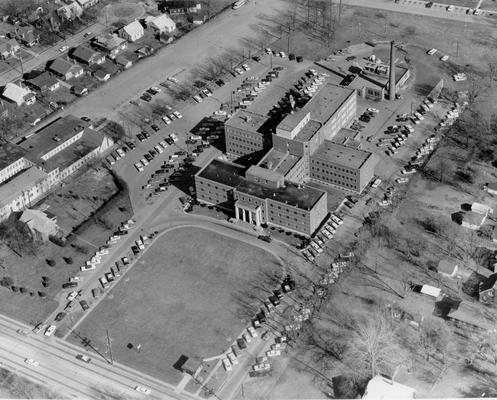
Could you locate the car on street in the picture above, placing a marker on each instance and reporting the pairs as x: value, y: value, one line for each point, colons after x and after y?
x: 432, y: 51
x: 143, y: 389
x: 31, y: 362
x: 50, y: 330
x: 84, y: 305
x: 83, y: 358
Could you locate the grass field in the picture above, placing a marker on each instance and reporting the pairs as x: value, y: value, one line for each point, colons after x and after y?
x: 190, y: 294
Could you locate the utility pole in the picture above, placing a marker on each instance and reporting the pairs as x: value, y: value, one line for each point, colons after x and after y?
x: 109, y: 347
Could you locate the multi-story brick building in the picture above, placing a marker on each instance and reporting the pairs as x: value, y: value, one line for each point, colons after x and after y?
x: 259, y: 196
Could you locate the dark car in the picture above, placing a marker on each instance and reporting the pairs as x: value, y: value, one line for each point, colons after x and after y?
x: 256, y: 58
x: 60, y: 316
x: 84, y: 358
x: 364, y: 118
x: 131, y: 145
x: 146, y: 134
x: 140, y: 137
x: 84, y: 305
x: 153, y: 153
x: 155, y: 127
x: 220, y: 82
x: 146, y: 98
x: 241, y: 343
x: 350, y: 58
x: 148, y: 157
x: 180, y: 153
x: 86, y: 119
x: 169, y: 141
x: 69, y: 285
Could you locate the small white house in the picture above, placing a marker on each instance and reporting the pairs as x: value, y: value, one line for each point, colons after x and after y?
x: 18, y: 94
x: 491, y: 188
x: 132, y: 32
x: 481, y: 208
x: 380, y: 388
x: 161, y: 24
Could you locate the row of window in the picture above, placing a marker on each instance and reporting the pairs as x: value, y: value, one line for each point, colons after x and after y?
x: 338, y: 182
x: 329, y: 166
x: 343, y: 177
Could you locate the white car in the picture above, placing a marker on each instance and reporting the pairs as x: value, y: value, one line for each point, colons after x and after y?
x: 227, y: 364
x: 373, y: 110
x: 166, y: 120
x: 50, y: 330
x: 157, y: 89
x: 72, y: 296
x: 444, y: 58
x: 139, y: 167
x: 326, y: 233
x: 144, y: 162
x: 460, y: 77
x: 239, y: 70
x: 376, y: 183
x: 402, y: 180
x: 246, y: 337
x: 408, y: 171
x: 232, y: 358
x: 273, y: 353
x: 63, y: 48
x: 336, y: 219
x: 268, y: 50
x: 220, y: 112
x: 262, y: 367
x: 432, y: 51
x: 163, y: 144
x: 197, y: 98
x: 177, y: 114
x: 143, y: 389
x: 173, y: 137
x: 409, y: 128
x: 384, y: 203
x: 120, y: 152
x: 450, y: 8
x: 172, y: 79
x: 158, y: 149
x: 31, y: 362
x: 245, y: 67
x: 252, y: 331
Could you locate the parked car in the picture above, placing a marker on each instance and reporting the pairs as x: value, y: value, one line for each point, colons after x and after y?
x: 83, y: 358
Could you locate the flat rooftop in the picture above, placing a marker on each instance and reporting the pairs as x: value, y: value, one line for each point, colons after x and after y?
x: 230, y: 174
x: 292, y: 120
x: 340, y: 154
x: 77, y: 150
x: 308, y: 131
x: 10, y: 153
x: 279, y: 161
x: 344, y: 135
x: 248, y: 120
x: 302, y: 197
x: 326, y: 102
x: 52, y: 135
x: 223, y: 172
x: 20, y: 183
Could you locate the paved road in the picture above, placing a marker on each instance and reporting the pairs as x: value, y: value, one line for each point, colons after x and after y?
x: 389, y: 5
x: 59, y: 368
x: 50, y: 54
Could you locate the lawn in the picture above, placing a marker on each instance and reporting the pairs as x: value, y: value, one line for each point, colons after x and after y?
x: 190, y: 294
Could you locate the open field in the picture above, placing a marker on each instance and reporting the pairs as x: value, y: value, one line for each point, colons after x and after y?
x: 188, y: 294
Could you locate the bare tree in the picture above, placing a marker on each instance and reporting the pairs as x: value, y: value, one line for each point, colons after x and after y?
x: 434, y: 338
x: 374, y: 347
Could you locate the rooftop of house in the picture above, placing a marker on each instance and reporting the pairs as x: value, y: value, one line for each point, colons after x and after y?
x: 133, y: 27
x: 62, y: 66
x: 248, y: 120
x: 474, y: 218
x: 52, y: 135
x: 10, y: 153
x: 327, y: 101
x: 83, y: 52
x: 45, y: 79
x: 108, y: 41
x: 489, y: 283
x: 15, y: 92
x: 340, y: 154
x: 278, y: 161
x: 379, y: 388
x: 26, y: 179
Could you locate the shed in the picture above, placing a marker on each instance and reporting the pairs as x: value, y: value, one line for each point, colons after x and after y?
x: 430, y: 290
x: 491, y: 188
x: 473, y: 220
x: 380, y: 388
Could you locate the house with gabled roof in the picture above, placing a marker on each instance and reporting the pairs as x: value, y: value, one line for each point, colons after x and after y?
x: 70, y: 11
x: 132, y: 32
x: 110, y: 44
x: 160, y: 24
x: 8, y: 48
x: 44, y: 82
x: 18, y: 94
x: 64, y: 69
x: 41, y: 224
x: 88, y: 56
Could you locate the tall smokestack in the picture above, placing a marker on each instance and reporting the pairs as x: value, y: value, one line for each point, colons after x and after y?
x: 391, y: 86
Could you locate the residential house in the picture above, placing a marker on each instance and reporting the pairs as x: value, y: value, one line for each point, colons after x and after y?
x: 473, y: 220
x: 45, y: 82
x: 12, y: 161
x: 26, y: 35
x: 101, y: 75
x: 70, y: 11
x: 41, y: 224
x: 65, y: 70
x: 379, y: 388
x: 88, y: 56
x: 110, y: 44
x: 18, y: 94
x: 8, y: 48
x: 132, y: 32
x: 160, y: 24
x: 87, y: 3
x: 491, y: 188
x: 487, y: 290
x: 123, y: 62
x: 481, y: 208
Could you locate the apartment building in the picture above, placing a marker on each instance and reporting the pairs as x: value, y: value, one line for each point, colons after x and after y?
x: 12, y: 161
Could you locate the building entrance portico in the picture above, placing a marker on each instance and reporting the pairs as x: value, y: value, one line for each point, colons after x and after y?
x: 248, y: 213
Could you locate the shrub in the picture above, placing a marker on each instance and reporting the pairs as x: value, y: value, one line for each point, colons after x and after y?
x: 23, y: 290
x: 68, y: 260
x: 42, y: 294
x: 7, y: 281
x: 14, y: 288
